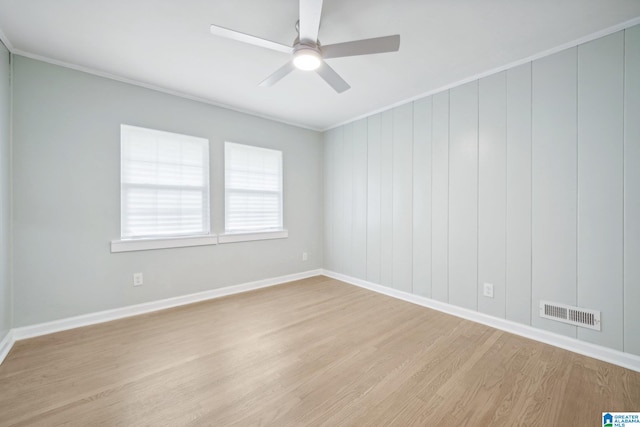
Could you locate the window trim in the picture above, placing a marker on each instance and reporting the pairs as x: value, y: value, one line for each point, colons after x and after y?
x: 144, y: 244
x: 131, y: 245
x: 252, y: 236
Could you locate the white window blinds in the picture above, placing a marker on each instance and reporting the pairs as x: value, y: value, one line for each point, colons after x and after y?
x: 164, y: 184
x: 253, y: 189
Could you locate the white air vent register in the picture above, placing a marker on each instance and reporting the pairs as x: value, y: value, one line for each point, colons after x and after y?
x: 572, y: 315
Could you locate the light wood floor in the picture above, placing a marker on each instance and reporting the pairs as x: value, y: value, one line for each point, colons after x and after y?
x: 313, y: 352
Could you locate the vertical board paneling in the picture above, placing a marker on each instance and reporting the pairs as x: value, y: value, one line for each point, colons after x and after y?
x: 440, y: 197
x: 492, y: 192
x: 518, y: 287
x: 422, y: 197
x: 6, y: 291
x: 373, y: 198
x: 528, y: 179
x: 327, y: 146
x: 339, y: 200
x: 402, y: 197
x: 386, y: 192
x: 632, y: 191
x: 463, y: 196
x: 554, y: 170
x: 347, y: 199
x: 600, y: 181
x: 359, y: 241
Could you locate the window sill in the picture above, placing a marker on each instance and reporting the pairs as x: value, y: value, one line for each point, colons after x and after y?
x: 165, y: 243
x: 247, y: 237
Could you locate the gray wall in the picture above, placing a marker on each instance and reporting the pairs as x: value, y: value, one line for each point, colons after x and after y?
x: 528, y: 179
x: 5, y: 192
x: 66, y: 185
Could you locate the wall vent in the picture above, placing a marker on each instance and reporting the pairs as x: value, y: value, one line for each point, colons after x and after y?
x: 572, y: 315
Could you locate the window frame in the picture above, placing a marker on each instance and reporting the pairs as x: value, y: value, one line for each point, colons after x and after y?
x: 134, y: 243
x: 231, y: 236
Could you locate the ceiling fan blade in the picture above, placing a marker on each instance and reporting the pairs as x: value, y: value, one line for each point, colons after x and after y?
x: 362, y: 47
x: 246, y: 38
x: 278, y: 74
x: 330, y: 76
x: 310, y: 12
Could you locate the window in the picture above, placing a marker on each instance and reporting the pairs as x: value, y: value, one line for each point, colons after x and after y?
x: 253, y: 189
x: 164, y: 185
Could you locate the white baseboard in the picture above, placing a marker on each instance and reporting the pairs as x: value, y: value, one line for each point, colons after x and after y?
x: 626, y: 360
x: 133, y: 310
x: 615, y: 357
x: 5, y: 345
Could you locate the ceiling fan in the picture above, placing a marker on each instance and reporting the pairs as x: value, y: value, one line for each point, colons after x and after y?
x: 308, y: 53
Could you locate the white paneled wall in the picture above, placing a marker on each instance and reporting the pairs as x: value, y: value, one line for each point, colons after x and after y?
x: 386, y: 203
x: 632, y: 191
x: 330, y: 200
x: 422, y: 197
x: 518, y: 220
x: 492, y: 192
x: 374, y: 200
x: 403, y: 198
x: 554, y: 184
x: 527, y: 179
x: 601, y: 185
x: 329, y: 195
x: 348, y: 162
x: 359, y: 200
x: 463, y: 195
x: 440, y: 197
x: 340, y: 199
x: 5, y: 192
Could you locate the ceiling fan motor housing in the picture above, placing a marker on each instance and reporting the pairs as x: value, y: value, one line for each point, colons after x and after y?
x: 306, y: 56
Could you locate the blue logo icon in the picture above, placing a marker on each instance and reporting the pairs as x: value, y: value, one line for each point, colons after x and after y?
x: 607, y: 420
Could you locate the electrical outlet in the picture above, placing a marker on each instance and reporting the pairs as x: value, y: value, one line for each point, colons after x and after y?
x: 305, y: 256
x: 488, y: 290
x: 138, y: 279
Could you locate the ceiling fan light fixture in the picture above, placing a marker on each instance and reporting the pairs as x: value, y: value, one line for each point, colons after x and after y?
x: 307, y: 59
x: 308, y: 53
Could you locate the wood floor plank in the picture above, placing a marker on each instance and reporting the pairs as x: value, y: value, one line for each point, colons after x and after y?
x: 314, y: 352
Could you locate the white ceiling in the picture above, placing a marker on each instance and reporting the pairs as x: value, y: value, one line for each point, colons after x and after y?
x: 167, y: 44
